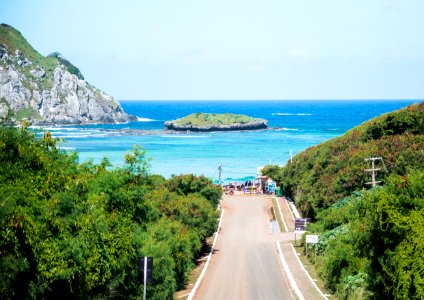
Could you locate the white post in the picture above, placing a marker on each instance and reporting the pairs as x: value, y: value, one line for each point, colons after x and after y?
x: 316, y: 252
x: 291, y: 156
x: 145, y: 277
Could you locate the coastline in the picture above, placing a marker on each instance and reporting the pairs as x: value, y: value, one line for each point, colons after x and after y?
x: 293, y: 126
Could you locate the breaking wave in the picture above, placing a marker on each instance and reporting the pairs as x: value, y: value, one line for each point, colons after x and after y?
x: 145, y: 120
x: 291, y: 114
x: 290, y: 129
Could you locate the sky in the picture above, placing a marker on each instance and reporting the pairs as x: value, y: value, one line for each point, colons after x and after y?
x: 233, y: 49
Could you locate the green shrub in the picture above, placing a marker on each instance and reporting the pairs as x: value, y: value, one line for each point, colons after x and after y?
x: 371, y: 245
x: 74, y: 230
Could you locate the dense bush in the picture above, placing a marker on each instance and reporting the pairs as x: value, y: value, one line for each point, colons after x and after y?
x: 71, y: 230
x: 372, y: 244
x: 190, y: 184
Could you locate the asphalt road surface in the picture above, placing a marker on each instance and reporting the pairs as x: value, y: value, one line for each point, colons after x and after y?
x: 245, y: 264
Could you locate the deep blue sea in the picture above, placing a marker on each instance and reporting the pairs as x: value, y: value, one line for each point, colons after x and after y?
x: 298, y: 125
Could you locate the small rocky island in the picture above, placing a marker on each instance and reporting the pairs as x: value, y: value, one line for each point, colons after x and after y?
x: 205, y: 122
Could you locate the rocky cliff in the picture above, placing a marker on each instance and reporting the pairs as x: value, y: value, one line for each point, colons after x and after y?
x: 45, y: 90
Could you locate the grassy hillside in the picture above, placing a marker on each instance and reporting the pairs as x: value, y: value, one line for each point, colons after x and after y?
x: 321, y: 175
x: 13, y: 40
x: 206, y: 119
x: 371, y: 242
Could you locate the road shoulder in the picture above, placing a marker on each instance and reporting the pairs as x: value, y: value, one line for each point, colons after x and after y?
x: 302, y: 280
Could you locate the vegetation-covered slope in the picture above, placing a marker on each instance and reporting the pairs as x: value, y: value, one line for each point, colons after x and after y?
x: 14, y: 41
x: 371, y: 242
x: 210, y: 122
x: 48, y: 90
x: 321, y: 175
x: 72, y: 230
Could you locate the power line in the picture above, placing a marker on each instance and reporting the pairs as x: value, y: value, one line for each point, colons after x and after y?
x: 384, y: 166
x: 214, y: 173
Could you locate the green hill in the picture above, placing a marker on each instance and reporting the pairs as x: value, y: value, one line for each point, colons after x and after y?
x: 14, y: 40
x: 323, y: 174
x: 48, y: 90
x: 371, y: 242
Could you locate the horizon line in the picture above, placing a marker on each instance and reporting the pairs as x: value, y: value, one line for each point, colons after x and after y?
x: 305, y: 99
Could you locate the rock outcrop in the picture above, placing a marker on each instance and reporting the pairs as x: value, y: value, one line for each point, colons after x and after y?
x: 43, y: 91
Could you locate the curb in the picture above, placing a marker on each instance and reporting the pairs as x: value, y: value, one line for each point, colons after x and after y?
x: 307, y: 274
x: 294, y: 209
x: 281, y: 214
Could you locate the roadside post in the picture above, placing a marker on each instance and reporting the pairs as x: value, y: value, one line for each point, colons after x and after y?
x: 300, y: 226
x: 145, y: 271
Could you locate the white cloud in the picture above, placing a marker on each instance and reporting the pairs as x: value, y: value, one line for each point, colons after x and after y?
x: 297, y: 51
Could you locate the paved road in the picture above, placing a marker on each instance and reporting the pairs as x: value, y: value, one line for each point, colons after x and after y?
x: 245, y: 264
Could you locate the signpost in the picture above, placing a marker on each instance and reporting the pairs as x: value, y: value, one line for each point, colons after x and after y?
x: 312, y: 239
x: 300, y: 226
x: 145, y: 271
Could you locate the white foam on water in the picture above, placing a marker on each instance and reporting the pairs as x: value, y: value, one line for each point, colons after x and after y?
x: 145, y: 119
x: 290, y: 129
x: 291, y: 114
x: 81, y: 135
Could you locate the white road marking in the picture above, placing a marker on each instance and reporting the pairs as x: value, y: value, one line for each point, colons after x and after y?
x: 288, y: 273
x: 307, y: 274
x: 196, y: 286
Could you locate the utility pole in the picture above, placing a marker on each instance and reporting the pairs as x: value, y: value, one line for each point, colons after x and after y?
x: 373, y: 170
x: 220, y: 173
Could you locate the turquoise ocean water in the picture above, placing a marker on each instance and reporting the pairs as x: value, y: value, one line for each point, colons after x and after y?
x: 296, y: 125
